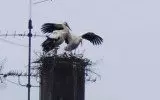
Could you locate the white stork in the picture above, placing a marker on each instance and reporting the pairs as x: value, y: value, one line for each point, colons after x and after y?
x: 59, y: 32
x: 74, y: 41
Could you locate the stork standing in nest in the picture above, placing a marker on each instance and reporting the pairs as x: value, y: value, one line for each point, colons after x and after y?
x: 74, y: 41
x: 59, y: 33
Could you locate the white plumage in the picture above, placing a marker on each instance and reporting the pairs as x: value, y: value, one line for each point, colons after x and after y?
x: 61, y: 32
x: 74, y: 41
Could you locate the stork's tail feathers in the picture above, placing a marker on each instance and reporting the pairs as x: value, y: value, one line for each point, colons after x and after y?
x: 50, y: 27
x: 93, y: 38
x: 49, y: 44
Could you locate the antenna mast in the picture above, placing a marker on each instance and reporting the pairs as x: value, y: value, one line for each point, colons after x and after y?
x: 29, y: 47
x: 30, y: 27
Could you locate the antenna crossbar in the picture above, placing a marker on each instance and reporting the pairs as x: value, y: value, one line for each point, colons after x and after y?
x: 20, y: 35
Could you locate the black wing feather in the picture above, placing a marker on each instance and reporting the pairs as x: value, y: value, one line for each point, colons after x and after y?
x: 49, y: 44
x: 93, y: 38
x: 50, y: 27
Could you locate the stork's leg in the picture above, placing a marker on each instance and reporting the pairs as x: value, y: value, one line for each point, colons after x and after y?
x: 71, y: 52
x: 67, y: 53
x: 55, y: 50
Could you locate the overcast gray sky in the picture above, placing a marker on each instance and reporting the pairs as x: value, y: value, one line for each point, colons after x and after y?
x: 128, y: 60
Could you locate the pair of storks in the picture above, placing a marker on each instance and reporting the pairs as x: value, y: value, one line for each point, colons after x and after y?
x: 61, y: 33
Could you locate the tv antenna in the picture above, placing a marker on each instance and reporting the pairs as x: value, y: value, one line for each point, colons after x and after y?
x: 30, y: 27
x: 41, y: 1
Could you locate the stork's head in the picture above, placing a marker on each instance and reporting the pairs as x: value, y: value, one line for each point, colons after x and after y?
x: 66, y: 24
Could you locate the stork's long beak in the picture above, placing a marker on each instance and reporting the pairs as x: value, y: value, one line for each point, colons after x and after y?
x: 81, y: 43
x: 68, y: 26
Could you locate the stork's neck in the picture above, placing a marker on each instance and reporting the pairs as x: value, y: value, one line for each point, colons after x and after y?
x: 77, y: 38
x: 64, y: 26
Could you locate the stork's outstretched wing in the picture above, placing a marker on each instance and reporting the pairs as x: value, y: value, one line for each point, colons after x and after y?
x: 50, y: 27
x: 93, y: 38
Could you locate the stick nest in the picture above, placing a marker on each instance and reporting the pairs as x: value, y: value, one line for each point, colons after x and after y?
x: 77, y: 60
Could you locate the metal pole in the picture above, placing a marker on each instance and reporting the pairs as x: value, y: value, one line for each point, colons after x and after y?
x: 29, y: 57
x: 29, y: 48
